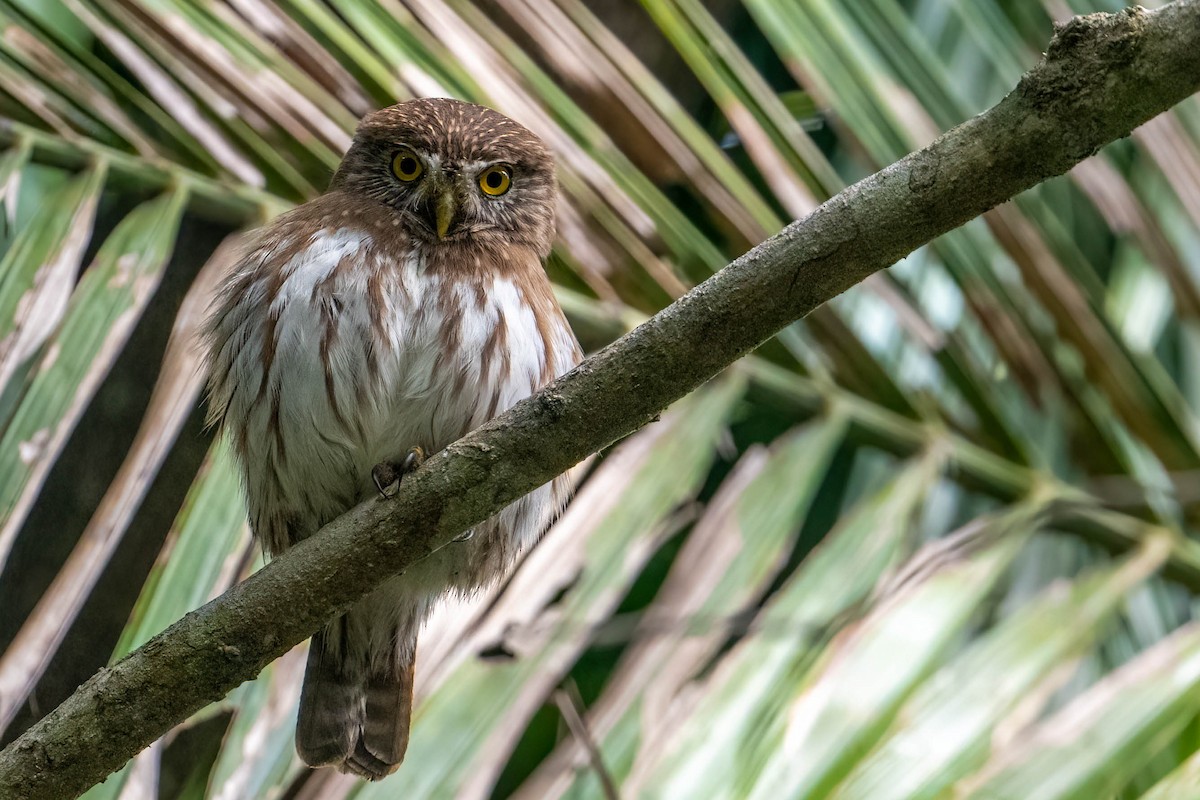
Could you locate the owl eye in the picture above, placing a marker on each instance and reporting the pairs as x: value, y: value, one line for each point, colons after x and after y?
x: 406, y: 166
x: 495, y: 181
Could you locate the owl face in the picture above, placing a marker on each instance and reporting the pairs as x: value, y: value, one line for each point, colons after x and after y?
x: 454, y: 172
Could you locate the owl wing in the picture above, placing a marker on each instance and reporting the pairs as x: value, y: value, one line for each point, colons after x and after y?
x: 269, y: 336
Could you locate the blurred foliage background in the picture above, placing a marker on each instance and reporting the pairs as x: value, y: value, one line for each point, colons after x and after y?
x: 936, y: 540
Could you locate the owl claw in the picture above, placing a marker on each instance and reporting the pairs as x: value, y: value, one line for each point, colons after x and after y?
x: 413, y: 459
x: 387, y: 475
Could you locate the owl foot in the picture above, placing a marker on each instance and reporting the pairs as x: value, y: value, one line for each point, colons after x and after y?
x: 387, y: 475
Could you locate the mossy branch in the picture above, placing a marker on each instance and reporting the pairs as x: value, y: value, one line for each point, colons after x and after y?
x: 1103, y: 75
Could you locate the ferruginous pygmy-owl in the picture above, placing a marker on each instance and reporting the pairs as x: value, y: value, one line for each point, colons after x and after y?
x: 382, y: 320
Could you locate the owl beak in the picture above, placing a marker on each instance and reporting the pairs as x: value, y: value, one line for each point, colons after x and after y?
x: 446, y: 206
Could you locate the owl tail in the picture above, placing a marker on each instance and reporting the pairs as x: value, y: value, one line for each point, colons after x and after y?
x: 352, y: 717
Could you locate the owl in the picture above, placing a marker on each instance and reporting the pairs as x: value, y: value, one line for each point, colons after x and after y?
x: 374, y: 324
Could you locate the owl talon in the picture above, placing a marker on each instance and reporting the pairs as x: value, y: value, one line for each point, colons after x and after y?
x: 386, y: 475
x: 414, y: 459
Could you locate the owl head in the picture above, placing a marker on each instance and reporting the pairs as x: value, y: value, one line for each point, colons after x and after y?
x: 455, y: 172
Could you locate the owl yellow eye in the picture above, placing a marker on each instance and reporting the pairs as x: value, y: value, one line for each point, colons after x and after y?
x: 406, y: 166
x: 495, y: 181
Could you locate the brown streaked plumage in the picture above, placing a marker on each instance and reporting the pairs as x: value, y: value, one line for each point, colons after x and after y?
x: 399, y: 310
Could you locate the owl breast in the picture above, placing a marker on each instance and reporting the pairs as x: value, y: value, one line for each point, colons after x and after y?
x: 337, y: 354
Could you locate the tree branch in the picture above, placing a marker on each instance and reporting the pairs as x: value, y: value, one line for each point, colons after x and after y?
x: 1102, y: 76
